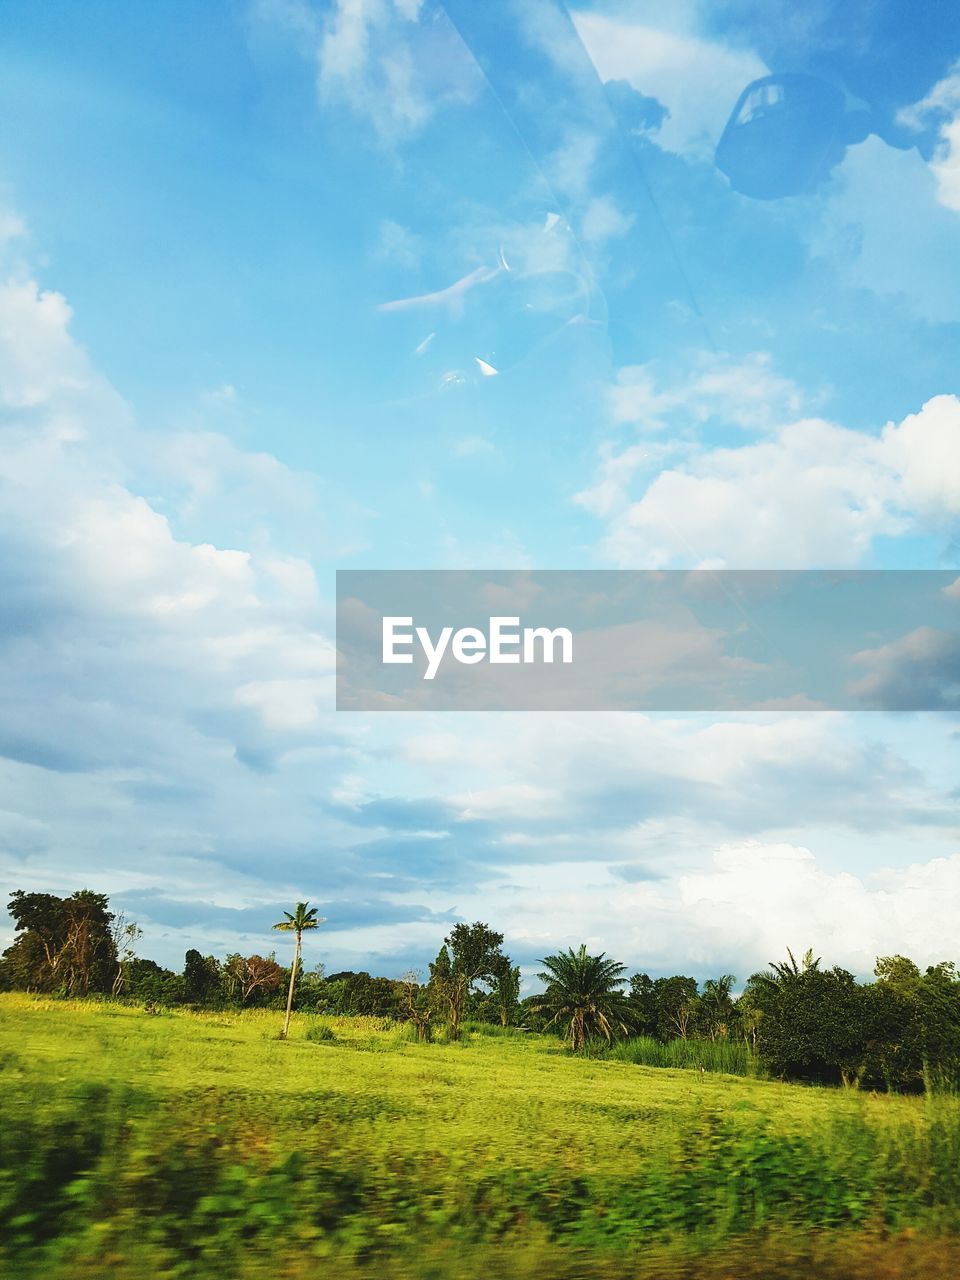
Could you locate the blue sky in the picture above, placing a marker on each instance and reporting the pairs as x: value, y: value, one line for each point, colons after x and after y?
x: 291, y: 287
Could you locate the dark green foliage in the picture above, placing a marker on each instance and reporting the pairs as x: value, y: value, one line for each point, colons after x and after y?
x: 201, y: 978
x: 63, y: 944
x: 470, y: 955
x: 362, y: 994
x: 201, y: 1187
x: 583, y: 996
x: 798, y: 1019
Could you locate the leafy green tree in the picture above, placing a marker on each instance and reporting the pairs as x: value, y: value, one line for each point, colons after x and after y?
x: 470, y: 954
x: 368, y: 996
x: 583, y: 995
x: 783, y: 972
x: 505, y: 996
x: 146, y: 980
x: 676, y: 999
x: 925, y: 1010
x: 65, y: 944
x: 642, y: 1000
x: 303, y: 917
x: 34, y: 957
x: 815, y: 1027
x: 201, y: 977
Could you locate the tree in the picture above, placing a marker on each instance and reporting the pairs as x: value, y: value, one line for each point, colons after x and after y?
x: 260, y: 973
x: 89, y: 955
x: 815, y: 1026
x: 201, y: 977
x: 367, y: 996
x: 126, y: 934
x: 34, y: 957
x: 146, y: 980
x: 506, y: 992
x: 716, y: 1005
x: 64, y: 943
x: 302, y: 918
x: 676, y: 1004
x: 583, y: 992
x: 415, y: 1003
x: 470, y: 954
x: 642, y: 1000
x: 783, y: 972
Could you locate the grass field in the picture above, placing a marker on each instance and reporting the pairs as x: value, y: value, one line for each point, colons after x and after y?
x: 198, y: 1145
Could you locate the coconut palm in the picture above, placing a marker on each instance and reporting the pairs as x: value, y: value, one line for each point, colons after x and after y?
x: 716, y: 1002
x: 583, y: 993
x: 784, y: 972
x: 303, y: 917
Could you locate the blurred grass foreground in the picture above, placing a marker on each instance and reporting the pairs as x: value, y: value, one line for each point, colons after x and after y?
x: 200, y: 1145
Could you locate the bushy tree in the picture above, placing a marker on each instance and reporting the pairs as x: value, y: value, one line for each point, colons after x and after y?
x: 64, y: 944
x: 815, y: 1026
x: 201, y: 978
x: 470, y: 955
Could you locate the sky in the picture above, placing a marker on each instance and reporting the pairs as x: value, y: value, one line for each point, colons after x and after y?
x: 292, y: 287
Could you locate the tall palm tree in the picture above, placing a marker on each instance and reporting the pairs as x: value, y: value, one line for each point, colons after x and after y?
x: 304, y: 917
x: 583, y: 992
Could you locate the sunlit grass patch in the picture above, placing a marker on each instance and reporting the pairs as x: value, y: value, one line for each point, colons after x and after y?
x: 202, y: 1142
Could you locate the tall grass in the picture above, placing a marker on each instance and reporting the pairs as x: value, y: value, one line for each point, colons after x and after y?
x: 730, y: 1057
x: 203, y: 1147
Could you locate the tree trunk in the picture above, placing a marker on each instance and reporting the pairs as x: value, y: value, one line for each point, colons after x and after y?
x: 293, y: 978
x: 578, y: 1031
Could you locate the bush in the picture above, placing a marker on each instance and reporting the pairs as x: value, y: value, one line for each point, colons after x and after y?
x: 321, y: 1033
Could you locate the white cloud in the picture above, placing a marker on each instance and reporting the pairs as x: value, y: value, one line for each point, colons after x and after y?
x: 81, y: 542
x: 698, y: 81
x: 744, y: 392
x: 899, y: 248
x: 745, y: 907
x: 940, y: 109
x: 380, y: 60
x: 812, y: 495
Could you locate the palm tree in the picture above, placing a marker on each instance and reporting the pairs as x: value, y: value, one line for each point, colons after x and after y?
x: 716, y: 1001
x: 783, y: 972
x: 583, y: 992
x: 304, y: 917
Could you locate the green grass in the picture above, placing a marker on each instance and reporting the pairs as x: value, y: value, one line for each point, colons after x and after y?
x: 200, y: 1145
x: 730, y: 1058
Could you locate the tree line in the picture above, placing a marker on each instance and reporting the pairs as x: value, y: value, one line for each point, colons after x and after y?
x: 800, y: 1020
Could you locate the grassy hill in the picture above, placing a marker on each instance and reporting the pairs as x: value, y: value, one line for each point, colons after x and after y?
x: 199, y: 1145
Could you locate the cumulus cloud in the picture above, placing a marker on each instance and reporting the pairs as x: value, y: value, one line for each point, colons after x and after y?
x: 811, y: 494
x: 742, y: 910
x: 903, y: 250
x: 940, y: 110
x: 165, y: 693
x: 619, y: 782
